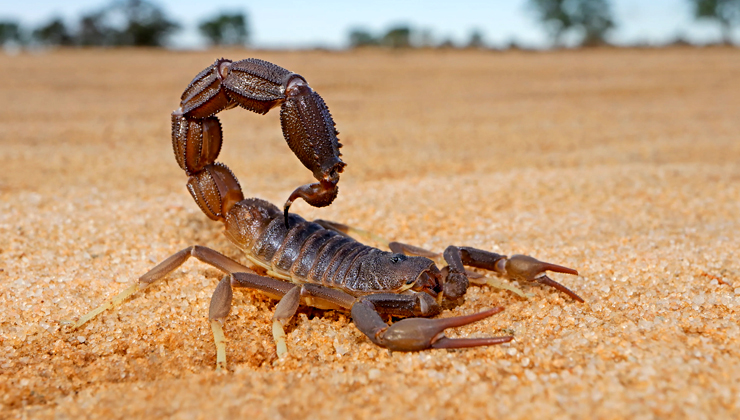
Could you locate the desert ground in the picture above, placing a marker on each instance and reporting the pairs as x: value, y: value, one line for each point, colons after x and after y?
x: 623, y: 164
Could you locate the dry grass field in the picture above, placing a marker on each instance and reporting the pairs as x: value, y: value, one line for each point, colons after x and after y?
x: 624, y: 164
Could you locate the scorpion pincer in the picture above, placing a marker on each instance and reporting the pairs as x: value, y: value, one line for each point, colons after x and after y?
x: 313, y: 263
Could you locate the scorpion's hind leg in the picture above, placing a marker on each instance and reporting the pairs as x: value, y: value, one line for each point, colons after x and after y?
x: 206, y: 255
x: 516, y: 267
x: 220, y: 302
x: 290, y: 296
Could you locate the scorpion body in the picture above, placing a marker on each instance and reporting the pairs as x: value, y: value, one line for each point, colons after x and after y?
x: 312, y: 263
x: 307, y: 252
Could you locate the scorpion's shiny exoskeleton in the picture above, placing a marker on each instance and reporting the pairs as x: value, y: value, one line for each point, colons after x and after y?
x: 312, y: 263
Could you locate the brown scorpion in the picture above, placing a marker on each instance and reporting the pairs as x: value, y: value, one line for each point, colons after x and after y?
x: 312, y: 263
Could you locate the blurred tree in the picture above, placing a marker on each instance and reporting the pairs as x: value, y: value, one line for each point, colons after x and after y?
x: 10, y: 31
x: 93, y: 31
x: 423, y: 38
x: 126, y: 22
x: 555, y: 16
x: 397, y: 37
x: 53, y: 33
x: 726, y: 12
x: 592, y: 18
x: 595, y: 19
x: 145, y: 24
x: 476, y: 39
x: 226, y: 29
x: 446, y: 43
x: 361, y: 38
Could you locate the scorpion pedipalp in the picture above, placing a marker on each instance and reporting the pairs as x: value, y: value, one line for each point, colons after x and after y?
x: 516, y: 267
x: 414, y: 334
x: 526, y: 268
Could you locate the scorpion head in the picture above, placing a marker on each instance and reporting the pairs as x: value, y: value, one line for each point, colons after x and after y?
x: 429, y: 281
x: 399, y: 273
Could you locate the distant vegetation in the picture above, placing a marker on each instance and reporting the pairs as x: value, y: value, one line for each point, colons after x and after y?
x: 124, y: 23
x: 724, y: 12
x: 403, y: 36
x: 226, y: 29
x: 121, y: 23
x: 588, y: 20
x: 569, y: 23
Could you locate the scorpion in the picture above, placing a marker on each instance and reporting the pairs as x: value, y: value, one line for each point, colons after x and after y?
x: 317, y: 263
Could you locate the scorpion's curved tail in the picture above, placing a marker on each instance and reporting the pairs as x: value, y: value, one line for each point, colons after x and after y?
x: 258, y: 86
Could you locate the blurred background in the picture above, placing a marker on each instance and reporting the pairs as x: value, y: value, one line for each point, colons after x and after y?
x: 335, y: 24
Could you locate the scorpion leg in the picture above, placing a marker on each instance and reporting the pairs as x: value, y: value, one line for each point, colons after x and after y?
x: 220, y: 302
x: 207, y: 255
x: 290, y: 297
x: 410, y: 250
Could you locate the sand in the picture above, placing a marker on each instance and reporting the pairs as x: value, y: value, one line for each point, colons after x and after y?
x: 622, y: 164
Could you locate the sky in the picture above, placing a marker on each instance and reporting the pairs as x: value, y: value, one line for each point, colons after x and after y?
x: 326, y: 23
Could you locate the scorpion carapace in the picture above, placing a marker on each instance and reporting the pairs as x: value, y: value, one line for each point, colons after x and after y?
x: 313, y: 263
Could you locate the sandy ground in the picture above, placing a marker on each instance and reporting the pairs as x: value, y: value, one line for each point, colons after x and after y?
x: 620, y: 163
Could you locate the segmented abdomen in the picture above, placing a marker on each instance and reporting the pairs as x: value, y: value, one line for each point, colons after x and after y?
x: 305, y: 253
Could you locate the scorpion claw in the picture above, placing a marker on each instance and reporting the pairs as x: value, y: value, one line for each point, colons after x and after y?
x: 413, y: 334
x: 552, y: 283
x: 460, y: 343
x: 524, y: 267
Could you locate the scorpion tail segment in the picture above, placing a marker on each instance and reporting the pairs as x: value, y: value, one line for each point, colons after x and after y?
x: 256, y: 85
x: 204, y: 96
x: 309, y: 129
x: 523, y: 267
x: 414, y: 334
x: 319, y: 194
x: 196, y: 142
x: 216, y: 190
